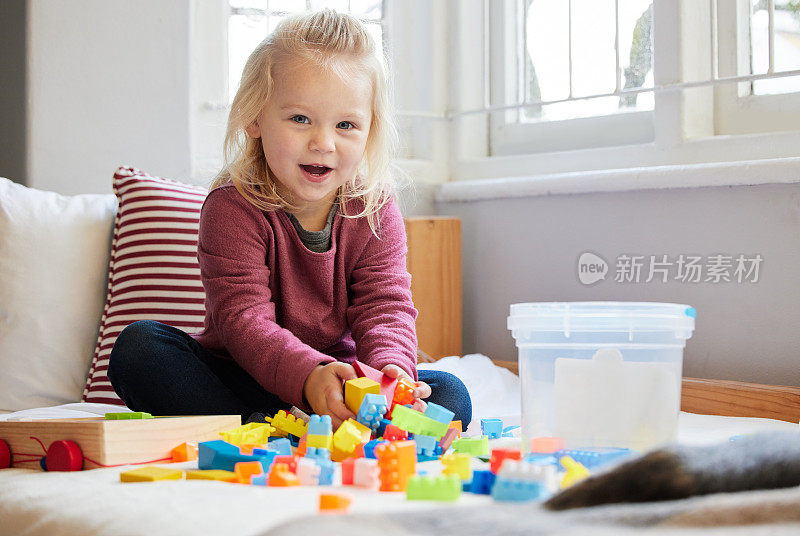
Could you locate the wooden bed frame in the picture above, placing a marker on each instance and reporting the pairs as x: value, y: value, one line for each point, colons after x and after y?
x: 434, y: 261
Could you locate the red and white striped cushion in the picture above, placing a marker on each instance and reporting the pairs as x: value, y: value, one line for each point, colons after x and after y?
x: 153, y: 273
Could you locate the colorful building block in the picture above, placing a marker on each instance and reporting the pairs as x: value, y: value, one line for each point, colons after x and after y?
x: 545, y: 445
x: 426, y: 445
x: 254, y: 432
x: 456, y: 425
x: 593, y: 458
x: 491, y: 428
x: 438, y: 488
x: 518, y: 490
x: 369, y: 448
x: 382, y: 427
x: 308, y: 472
x: 474, y: 446
x: 439, y: 413
x: 355, y: 391
x: 574, y: 472
x: 220, y: 454
x: 279, y: 475
x: 499, y: 455
x: 320, y: 425
x: 347, y: 467
x: 302, y: 445
x: 259, y: 480
x: 372, y: 410
x: 244, y: 470
x: 318, y: 454
x: 127, y: 415
x: 458, y: 464
x: 415, y: 422
x: 286, y: 424
x: 289, y: 461
x: 150, y: 474
x: 387, y: 383
x: 281, y: 445
x: 334, y: 503
x: 326, y: 470
x: 482, y: 482
x: 521, y: 481
x: 211, y: 474
x: 185, y: 452
x: 397, y: 463
x: 448, y: 438
x: 319, y: 441
x: 345, y: 440
x: 366, y: 473
x: 394, y: 433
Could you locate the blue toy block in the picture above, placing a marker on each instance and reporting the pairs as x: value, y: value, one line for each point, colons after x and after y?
x: 439, y: 413
x: 326, y: 468
x: 382, y: 427
x: 293, y: 440
x: 318, y: 454
x: 220, y: 454
x: 266, y: 457
x: 319, y: 425
x: 426, y: 445
x: 508, y: 431
x: 518, y: 490
x: 482, y: 482
x: 596, y: 457
x: 492, y: 428
x: 369, y: 448
x: 541, y: 458
x: 372, y: 410
x: 281, y: 445
x: 260, y: 480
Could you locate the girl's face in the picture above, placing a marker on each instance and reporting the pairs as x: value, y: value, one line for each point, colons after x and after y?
x: 314, y: 132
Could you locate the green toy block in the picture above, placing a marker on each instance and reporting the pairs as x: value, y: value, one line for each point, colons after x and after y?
x: 415, y: 422
x: 127, y: 416
x: 439, y: 488
x: 474, y: 446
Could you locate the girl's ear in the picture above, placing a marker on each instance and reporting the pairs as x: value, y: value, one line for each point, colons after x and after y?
x: 253, y: 130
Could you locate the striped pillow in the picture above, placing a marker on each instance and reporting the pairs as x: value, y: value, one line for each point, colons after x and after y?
x: 153, y: 273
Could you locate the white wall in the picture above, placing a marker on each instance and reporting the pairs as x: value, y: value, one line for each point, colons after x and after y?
x: 108, y: 84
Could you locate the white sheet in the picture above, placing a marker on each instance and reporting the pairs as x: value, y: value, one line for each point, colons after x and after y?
x: 94, y: 502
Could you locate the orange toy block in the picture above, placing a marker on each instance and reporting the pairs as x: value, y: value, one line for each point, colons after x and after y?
x: 356, y: 390
x: 457, y: 426
x: 404, y: 392
x: 302, y: 446
x: 397, y: 463
x: 334, y: 503
x: 289, y: 461
x: 279, y: 475
x: 244, y: 470
x: 185, y: 452
x: 546, y: 445
x: 247, y: 448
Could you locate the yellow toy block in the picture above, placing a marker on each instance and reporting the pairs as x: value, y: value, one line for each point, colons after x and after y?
x: 319, y: 441
x: 254, y: 432
x: 575, y: 472
x: 286, y: 423
x: 457, y: 463
x: 356, y: 390
x: 211, y: 474
x: 345, y: 440
x: 149, y: 474
x: 185, y: 452
x: 244, y: 470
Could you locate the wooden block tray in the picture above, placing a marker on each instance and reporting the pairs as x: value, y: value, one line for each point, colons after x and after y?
x: 106, y: 443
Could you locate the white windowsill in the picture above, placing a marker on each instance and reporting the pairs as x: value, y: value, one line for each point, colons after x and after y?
x: 750, y: 172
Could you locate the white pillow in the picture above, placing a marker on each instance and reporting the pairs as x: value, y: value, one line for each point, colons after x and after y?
x: 54, y: 254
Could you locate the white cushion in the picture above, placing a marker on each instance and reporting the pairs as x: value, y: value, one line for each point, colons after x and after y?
x: 54, y: 253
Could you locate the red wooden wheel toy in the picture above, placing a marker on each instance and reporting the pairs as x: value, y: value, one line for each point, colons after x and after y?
x: 64, y: 456
x: 5, y: 455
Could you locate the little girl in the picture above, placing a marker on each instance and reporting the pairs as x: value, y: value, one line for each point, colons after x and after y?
x: 301, y: 247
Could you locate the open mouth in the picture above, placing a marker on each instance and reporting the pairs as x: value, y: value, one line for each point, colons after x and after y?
x: 317, y: 171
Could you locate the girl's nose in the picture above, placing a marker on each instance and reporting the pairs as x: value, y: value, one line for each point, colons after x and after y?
x: 322, y: 141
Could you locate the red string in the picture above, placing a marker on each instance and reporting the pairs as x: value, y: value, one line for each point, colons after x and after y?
x: 121, y: 464
x: 40, y: 443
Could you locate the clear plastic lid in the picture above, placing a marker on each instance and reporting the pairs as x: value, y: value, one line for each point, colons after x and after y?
x: 601, y: 316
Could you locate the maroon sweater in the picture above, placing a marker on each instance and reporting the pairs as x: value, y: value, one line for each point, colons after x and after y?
x: 279, y: 309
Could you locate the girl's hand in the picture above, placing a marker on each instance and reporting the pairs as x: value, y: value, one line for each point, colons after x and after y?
x: 422, y: 389
x: 325, y: 393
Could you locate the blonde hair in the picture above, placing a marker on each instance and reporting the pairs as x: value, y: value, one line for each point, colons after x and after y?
x: 334, y: 41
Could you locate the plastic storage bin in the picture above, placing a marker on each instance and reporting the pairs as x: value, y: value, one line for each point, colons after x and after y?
x: 601, y: 374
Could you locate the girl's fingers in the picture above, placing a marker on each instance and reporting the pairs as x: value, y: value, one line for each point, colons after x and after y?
x: 423, y: 390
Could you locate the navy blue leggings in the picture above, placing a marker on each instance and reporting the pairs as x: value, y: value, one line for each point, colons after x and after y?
x: 161, y: 370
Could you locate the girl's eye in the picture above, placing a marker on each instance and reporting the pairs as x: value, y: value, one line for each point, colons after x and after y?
x: 300, y: 119
x: 345, y: 125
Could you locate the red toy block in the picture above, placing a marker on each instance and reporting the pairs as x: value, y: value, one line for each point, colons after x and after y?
x: 500, y: 455
x: 358, y: 452
x: 348, y: 468
x: 397, y: 463
x: 394, y: 433
x: 449, y: 437
x: 546, y: 445
x: 289, y: 461
x: 386, y: 383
